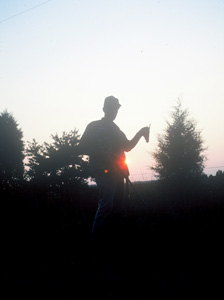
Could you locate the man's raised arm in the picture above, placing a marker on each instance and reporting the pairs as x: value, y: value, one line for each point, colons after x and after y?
x: 133, y: 142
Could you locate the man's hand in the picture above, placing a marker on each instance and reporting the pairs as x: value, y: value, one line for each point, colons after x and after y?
x: 145, y: 133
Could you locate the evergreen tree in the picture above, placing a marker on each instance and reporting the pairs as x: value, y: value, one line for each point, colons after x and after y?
x: 56, y: 166
x: 11, y: 152
x: 180, y: 149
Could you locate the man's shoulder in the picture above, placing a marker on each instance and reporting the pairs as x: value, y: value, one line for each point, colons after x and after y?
x: 94, y: 124
x: 103, y: 125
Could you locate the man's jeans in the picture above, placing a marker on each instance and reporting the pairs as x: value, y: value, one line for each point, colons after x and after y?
x: 110, y: 201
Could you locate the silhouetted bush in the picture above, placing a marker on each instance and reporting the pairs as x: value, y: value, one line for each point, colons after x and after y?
x: 56, y: 168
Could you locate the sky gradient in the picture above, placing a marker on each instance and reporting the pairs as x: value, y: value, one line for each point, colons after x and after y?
x: 60, y: 59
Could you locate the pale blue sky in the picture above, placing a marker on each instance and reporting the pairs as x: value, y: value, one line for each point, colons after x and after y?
x: 60, y: 59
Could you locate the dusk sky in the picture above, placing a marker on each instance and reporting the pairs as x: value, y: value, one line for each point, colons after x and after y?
x: 60, y: 59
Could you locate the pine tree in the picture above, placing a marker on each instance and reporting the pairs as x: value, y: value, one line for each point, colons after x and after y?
x: 11, y: 152
x: 180, y: 149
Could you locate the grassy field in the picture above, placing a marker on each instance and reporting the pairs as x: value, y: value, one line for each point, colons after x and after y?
x: 169, y: 245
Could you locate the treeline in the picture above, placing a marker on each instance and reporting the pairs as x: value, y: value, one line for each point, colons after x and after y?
x: 51, y: 167
x: 53, y: 171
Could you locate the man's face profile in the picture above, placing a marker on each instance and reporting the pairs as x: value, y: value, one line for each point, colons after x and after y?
x: 110, y: 112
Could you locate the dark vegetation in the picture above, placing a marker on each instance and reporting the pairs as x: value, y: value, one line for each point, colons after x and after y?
x: 170, y: 244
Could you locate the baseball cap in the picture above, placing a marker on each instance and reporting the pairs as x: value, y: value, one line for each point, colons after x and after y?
x: 111, y: 102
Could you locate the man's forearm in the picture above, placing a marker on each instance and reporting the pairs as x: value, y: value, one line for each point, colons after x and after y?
x: 133, y: 142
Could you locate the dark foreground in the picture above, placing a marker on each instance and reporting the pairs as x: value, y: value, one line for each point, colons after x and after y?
x: 46, y: 253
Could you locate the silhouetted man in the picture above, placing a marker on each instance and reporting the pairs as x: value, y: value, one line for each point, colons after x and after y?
x: 105, y: 144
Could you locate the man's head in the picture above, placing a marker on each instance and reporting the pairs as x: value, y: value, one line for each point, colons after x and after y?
x: 110, y: 108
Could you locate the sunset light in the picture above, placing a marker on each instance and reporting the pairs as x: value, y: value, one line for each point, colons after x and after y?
x: 111, y: 148
x: 55, y: 75
x: 127, y: 161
